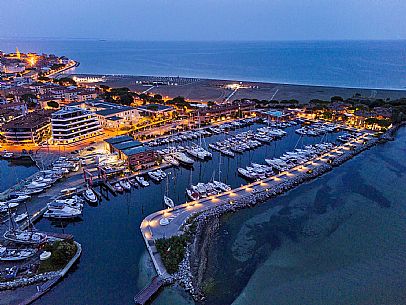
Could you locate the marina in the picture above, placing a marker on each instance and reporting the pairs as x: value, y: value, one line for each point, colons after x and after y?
x: 171, y: 166
x: 150, y: 163
x: 168, y: 179
x: 153, y: 230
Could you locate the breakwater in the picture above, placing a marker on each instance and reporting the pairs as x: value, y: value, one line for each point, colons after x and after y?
x: 193, y: 266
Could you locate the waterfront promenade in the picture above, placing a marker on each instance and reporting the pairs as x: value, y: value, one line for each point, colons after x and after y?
x: 152, y: 230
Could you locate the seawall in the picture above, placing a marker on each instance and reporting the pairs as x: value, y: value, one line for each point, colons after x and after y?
x: 193, y: 267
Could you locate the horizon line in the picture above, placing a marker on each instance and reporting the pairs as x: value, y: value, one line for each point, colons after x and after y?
x: 205, y: 40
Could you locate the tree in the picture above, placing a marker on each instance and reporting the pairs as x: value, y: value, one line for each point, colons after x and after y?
x: 104, y: 88
x: 53, y: 104
x: 66, y: 81
x: 179, y: 99
x: 157, y: 96
x: 379, y: 122
x: 327, y: 115
x: 30, y: 100
x: 211, y: 103
x: 377, y: 103
x: 336, y: 98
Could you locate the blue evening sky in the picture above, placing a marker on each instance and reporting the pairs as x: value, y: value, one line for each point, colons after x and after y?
x: 204, y: 19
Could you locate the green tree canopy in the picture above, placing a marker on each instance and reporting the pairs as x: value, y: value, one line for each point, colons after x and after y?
x: 53, y: 104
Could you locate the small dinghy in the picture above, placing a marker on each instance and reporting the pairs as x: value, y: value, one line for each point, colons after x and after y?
x: 169, y: 202
x: 45, y: 255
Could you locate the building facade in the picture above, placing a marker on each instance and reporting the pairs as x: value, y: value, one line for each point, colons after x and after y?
x: 133, y: 152
x: 73, y: 124
x: 110, y: 115
x: 33, y: 128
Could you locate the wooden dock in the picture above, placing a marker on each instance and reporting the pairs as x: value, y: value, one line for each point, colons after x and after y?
x: 146, y: 294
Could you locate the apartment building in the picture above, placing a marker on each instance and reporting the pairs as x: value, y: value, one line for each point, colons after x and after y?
x: 73, y: 124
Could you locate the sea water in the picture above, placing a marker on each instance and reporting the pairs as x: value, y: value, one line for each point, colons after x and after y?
x: 368, y: 64
x: 336, y: 240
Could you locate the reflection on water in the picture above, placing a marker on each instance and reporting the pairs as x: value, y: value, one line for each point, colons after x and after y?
x: 336, y: 240
x: 112, y: 268
x: 12, y: 172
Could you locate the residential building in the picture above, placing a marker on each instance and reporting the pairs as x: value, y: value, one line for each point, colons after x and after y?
x: 224, y: 111
x: 110, y: 115
x: 32, y: 128
x: 73, y: 124
x: 85, y: 95
x: 156, y: 110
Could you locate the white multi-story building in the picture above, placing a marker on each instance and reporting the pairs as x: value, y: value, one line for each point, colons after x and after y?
x: 72, y: 124
x: 111, y: 115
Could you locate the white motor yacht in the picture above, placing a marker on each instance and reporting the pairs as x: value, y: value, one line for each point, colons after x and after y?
x: 20, y: 198
x: 118, y: 187
x: 192, y: 194
x: 246, y: 173
x: 222, y: 186
x: 182, y: 158
x: 126, y: 185
x: 90, y: 195
x: 45, y: 255
x: 154, y: 175
x: 61, y: 211
x: 5, y: 206
x: 134, y: 182
x: 171, y: 160
x: 142, y: 181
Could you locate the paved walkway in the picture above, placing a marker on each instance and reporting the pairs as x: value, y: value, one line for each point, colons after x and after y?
x: 151, y: 228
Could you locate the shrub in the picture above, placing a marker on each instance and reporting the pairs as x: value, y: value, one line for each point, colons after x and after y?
x: 62, y: 252
x: 172, y: 251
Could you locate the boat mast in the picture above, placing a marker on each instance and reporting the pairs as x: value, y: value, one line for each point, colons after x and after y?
x: 167, y: 185
x: 219, y: 168
x: 11, y: 224
x: 190, y: 178
x: 200, y: 135
x: 28, y: 215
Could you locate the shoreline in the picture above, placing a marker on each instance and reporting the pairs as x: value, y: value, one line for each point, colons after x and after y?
x: 205, y: 89
x: 194, y: 265
x: 190, y: 274
x: 258, y: 81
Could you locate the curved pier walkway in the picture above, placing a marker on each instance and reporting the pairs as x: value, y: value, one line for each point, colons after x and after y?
x: 152, y: 230
x: 149, y: 291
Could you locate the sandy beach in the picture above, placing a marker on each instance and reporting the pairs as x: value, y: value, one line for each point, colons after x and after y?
x: 213, y: 90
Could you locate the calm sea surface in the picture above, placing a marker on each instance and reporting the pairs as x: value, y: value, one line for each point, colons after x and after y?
x: 337, y: 240
x: 11, y: 173
x: 370, y: 64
